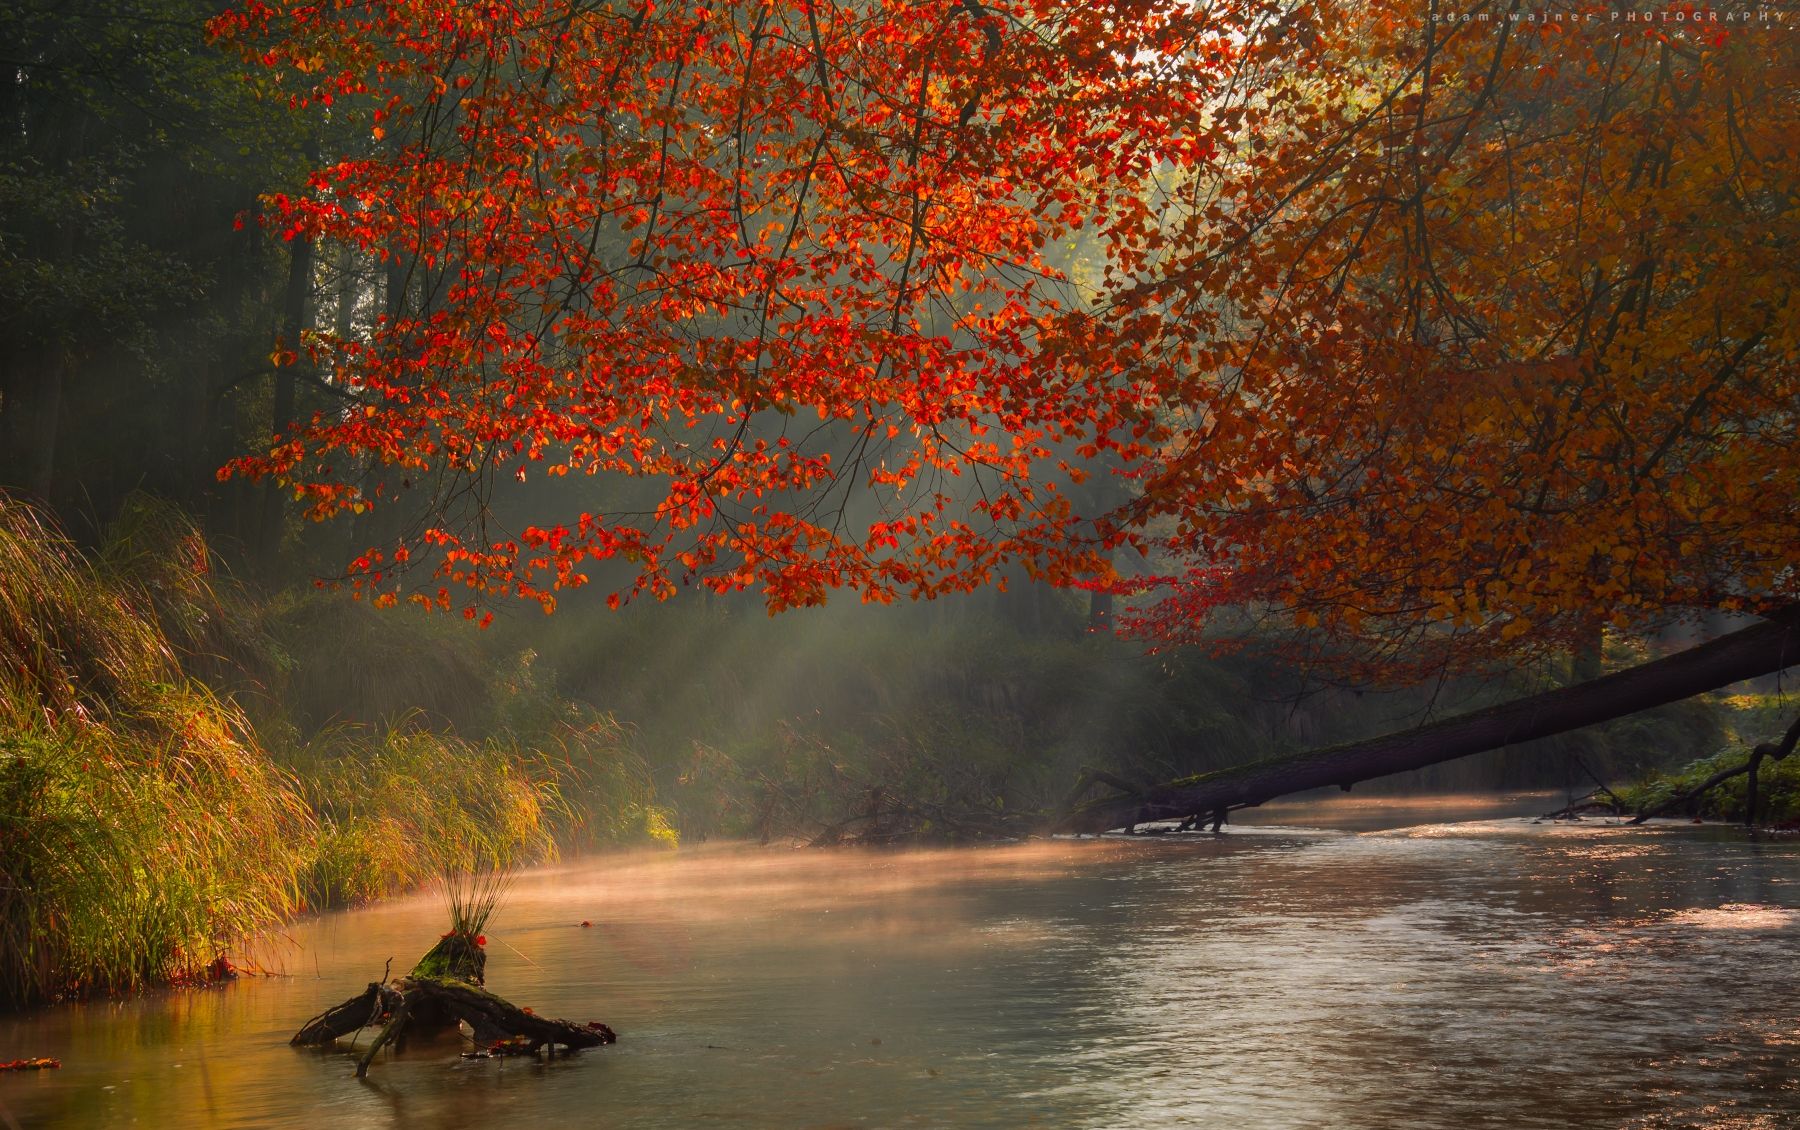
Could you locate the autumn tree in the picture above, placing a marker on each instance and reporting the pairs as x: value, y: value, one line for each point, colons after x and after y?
x: 778, y: 266
x: 1486, y: 332
x: 1449, y: 338
x: 1487, y: 346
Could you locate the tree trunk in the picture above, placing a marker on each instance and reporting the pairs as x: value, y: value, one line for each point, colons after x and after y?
x: 281, y: 416
x: 30, y: 418
x: 1759, y: 650
x: 1589, y: 662
x: 49, y: 426
x: 383, y: 522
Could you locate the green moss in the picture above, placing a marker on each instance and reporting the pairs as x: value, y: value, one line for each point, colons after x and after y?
x: 456, y: 956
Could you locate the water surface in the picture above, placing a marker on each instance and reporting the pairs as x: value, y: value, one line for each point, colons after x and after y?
x: 1493, y: 973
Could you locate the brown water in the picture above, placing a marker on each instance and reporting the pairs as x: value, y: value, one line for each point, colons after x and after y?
x: 1497, y: 973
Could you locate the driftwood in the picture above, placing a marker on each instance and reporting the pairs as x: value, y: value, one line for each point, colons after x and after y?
x: 355, y: 1014
x: 390, y: 1031
x: 494, y: 1020
x: 443, y: 989
x: 1762, y: 649
x: 1600, y: 802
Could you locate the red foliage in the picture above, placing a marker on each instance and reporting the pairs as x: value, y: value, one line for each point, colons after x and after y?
x: 791, y: 265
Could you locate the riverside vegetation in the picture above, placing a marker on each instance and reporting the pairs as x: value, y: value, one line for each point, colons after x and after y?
x: 187, y: 761
x: 160, y: 807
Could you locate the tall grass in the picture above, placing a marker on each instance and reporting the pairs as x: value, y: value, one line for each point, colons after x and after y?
x: 397, y: 809
x: 143, y: 831
x: 149, y: 826
x: 473, y: 896
x: 608, y: 789
x: 216, y: 629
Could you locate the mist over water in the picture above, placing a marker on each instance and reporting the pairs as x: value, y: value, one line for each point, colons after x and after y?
x: 1285, y: 974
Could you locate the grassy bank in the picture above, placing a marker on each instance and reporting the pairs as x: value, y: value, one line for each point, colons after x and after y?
x: 143, y: 830
x: 161, y: 805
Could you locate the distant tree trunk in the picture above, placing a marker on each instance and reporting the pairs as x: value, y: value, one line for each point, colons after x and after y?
x: 349, y: 290
x: 11, y: 428
x: 62, y: 144
x: 380, y: 523
x: 222, y: 506
x: 1590, y: 656
x: 1100, y: 610
x: 281, y: 415
x: 1758, y: 650
x: 31, y: 391
x: 47, y: 424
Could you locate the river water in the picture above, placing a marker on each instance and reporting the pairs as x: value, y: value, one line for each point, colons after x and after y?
x: 1321, y: 969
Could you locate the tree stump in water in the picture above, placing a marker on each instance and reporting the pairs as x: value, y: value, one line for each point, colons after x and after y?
x: 443, y: 989
x: 456, y: 957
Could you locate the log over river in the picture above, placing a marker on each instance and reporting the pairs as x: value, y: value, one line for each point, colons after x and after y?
x: 1349, y: 963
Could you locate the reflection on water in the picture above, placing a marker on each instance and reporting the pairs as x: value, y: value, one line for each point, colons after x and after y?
x: 1499, y: 973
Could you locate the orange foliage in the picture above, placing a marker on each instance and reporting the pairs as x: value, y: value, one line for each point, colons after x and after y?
x: 1473, y: 332
x: 1489, y: 331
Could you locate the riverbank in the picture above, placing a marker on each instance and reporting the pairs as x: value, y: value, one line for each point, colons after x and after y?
x: 159, y: 808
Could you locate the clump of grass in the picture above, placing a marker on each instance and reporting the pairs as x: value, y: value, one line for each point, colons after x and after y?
x: 143, y: 831
x: 473, y: 895
x: 398, y: 809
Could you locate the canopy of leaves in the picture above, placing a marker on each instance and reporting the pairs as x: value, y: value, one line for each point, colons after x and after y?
x: 781, y: 262
x: 1467, y: 334
x: 1487, y: 330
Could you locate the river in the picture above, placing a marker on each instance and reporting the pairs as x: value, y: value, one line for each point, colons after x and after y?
x: 1358, y: 963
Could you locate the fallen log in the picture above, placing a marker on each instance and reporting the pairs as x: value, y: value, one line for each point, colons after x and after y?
x: 494, y: 1020
x: 1761, y: 649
